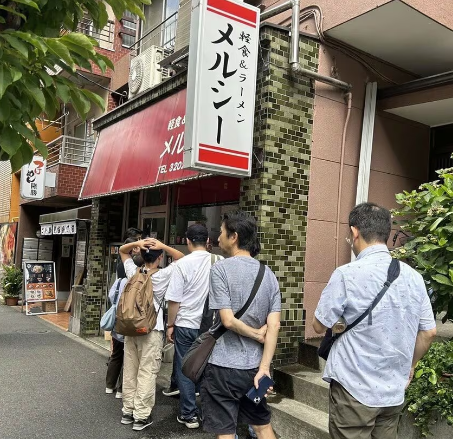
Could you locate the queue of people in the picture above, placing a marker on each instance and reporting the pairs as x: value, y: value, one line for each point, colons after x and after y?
x: 376, y: 310
x: 200, y: 287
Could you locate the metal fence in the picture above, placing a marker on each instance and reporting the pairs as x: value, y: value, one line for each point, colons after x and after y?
x: 70, y: 151
x: 163, y: 35
x: 104, y: 36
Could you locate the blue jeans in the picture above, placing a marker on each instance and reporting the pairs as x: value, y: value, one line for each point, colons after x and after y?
x: 184, y: 337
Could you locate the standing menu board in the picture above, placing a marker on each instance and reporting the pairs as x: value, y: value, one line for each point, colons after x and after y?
x: 40, y: 287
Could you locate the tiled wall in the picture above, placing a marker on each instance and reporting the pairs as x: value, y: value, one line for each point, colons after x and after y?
x: 277, y: 192
x: 106, y: 219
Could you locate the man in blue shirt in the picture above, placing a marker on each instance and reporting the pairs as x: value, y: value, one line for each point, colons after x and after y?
x: 370, y: 366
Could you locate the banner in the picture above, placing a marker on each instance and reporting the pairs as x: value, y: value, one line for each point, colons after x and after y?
x: 7, y: 243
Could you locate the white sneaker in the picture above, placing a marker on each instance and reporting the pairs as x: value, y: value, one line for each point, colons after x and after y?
x: 108, y: 391
x: 119, y: 395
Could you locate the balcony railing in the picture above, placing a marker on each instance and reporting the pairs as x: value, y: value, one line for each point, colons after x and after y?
x: 104, y: 36
x: 70, y: 151
x: 162, y: 35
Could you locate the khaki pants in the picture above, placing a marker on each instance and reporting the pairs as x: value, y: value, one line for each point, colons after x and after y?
x: 349, y: 419
x: 142, y: 359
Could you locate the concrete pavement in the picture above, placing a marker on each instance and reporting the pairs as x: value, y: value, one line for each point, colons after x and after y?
x: 52, y: 386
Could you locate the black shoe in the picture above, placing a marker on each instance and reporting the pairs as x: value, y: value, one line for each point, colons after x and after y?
x: 140, y: 424
x: 171, y: 391
x: 193, y: 422
x: 127, y: 419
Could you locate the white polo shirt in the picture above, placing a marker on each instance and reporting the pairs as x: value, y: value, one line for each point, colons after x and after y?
x: 189, y: 286
x: 160, y: 281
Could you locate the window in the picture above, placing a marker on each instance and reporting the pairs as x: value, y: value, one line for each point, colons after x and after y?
x: 129, y: 32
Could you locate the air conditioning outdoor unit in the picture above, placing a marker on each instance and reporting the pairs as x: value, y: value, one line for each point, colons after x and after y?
x: 145, y: 70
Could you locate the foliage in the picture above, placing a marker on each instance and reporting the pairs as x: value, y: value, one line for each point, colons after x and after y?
x: 11, y: 282
x: 427, y: 217
x: 37, y: 41
x: 430, y: 395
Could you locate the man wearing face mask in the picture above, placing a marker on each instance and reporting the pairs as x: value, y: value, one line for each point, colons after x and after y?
x: 369, y: 366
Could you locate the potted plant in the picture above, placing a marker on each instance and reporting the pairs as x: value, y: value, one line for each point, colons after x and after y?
x: 11, y: 284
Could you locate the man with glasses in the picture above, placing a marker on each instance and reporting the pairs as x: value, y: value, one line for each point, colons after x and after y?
x: 369, y: 367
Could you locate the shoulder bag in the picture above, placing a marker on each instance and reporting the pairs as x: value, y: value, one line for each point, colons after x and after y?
x: 196, y: 359
x: 329, y: 339
x: 109, y: 318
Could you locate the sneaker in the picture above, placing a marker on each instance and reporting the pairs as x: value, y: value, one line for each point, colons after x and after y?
x: 171, y: 391
x: 140, y: 424
x: 197, y: 394
x: 189, y: 423
x: 119, y: 395
x: 108, y: 391
x: 127, y: 419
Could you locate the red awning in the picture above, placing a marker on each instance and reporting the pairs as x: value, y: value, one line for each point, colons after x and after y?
x: 141, y: 151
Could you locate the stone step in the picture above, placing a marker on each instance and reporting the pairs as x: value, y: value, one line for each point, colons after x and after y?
x: 294, y: 420
x: 308, y: 354
x: 304, y: 385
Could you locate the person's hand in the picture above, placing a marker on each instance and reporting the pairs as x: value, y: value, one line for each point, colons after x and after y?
x: 262, y: 372
x: 150, y: 243
x: 170, y: 336
x: 411, y: 375
x: 261, y: 334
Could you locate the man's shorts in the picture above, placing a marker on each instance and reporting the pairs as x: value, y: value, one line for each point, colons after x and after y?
x: 224, y: 403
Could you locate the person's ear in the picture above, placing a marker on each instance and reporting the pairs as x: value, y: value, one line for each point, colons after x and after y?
x: 355, y: 232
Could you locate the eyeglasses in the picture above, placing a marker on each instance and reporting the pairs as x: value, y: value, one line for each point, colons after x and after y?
x: 349, y: 241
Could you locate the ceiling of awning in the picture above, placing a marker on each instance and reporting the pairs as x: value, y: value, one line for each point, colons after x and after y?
x: 400, y: 35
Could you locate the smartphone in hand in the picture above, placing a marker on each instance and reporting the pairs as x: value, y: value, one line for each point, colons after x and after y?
x: 256, y: 395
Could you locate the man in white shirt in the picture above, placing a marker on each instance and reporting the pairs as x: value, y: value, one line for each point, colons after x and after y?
x: 186, y: 295
x: 142, y: 354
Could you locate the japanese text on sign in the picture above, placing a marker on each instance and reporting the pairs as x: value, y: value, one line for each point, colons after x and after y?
x: 221, y: 86
x: 32, y: 179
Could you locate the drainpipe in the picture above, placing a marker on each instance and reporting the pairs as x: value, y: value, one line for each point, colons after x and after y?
x: 296, y: 68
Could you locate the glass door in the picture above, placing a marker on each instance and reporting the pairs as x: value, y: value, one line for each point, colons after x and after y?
x: 153, y: 225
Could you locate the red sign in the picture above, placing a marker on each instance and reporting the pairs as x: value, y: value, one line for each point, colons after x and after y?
x: 140, y: 151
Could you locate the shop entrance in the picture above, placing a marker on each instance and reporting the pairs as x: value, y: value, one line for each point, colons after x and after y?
x: 153, y: 225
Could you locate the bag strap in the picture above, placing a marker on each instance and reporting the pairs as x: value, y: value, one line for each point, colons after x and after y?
x: 392, y: 274
x: 259, y: 278
x: 117, y: 291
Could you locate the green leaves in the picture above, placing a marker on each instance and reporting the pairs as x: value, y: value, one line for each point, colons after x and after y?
x: 5, y: 79
x: 442, y: 279
x: 38, y: 64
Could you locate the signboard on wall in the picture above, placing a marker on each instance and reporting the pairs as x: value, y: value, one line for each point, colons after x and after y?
x: 33, y: 179
x: 221, y: 87
x: 40, y: 287
x: 67, y: 228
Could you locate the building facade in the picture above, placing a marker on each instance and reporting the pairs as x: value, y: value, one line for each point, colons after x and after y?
x: 374, y: 122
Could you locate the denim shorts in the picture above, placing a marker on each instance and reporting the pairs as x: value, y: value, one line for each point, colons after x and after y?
x: 224, y: 403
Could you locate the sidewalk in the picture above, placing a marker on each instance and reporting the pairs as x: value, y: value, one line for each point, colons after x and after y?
x: 53, y: 386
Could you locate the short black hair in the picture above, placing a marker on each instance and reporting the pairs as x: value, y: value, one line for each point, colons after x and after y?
x: 197, y: 234
x: 372, y: 221
x: 132, y: 232
x: 244, y: 225
x: 150, y: 256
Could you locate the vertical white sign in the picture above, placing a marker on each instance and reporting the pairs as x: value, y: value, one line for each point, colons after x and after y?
x: 224, y: 45
x: 33, y: 179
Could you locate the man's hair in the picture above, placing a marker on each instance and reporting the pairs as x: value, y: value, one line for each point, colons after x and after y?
x: 372, y: 221
x: 197, y: 234
x: 150, y: 256
x: 132, y: 232
x: 244, y: 225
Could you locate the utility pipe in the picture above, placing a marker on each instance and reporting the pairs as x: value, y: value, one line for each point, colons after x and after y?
x: 295, y: 66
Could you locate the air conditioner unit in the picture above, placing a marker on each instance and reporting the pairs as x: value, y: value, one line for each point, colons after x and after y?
x: 145, y: 70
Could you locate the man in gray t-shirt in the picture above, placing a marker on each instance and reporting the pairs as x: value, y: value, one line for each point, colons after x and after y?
x: 243, y: 354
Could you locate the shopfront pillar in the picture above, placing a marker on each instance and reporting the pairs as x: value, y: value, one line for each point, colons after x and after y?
x: 277, y: 192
